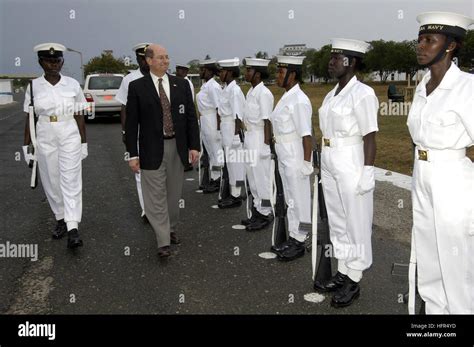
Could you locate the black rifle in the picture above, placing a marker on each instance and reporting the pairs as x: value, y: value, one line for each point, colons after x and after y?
x: 323, y: 271
x: 32, y: 146
x: 280, y: 234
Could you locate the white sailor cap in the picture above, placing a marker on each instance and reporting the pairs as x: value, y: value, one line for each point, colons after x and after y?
x: 183, y: 66
x: 229, y: 63
x: 256, y: 62
x: 207, y: 62
x: 349, y: 47
x: 50, y: 49
x: 289, y: 60
x: 140, y: 48
x: 447, y: 23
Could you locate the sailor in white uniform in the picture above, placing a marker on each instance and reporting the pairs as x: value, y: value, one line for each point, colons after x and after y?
x: 60, y: 140
x: 231, y: 112
x: 292, y: 129
x: 182, y: 71
x: 207, y: 101
x: 441, y: 124
x: 122, y: 98
x: 348, y: 122
x: 259, y: 106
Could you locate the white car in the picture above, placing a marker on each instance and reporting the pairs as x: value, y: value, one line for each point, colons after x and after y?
x: 100, y: 90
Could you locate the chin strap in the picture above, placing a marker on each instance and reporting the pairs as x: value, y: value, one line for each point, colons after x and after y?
x: 285, y: 81
x: 441, y: 53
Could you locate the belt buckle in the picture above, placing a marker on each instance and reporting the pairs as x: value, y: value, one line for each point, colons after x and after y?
x: 327, y: 142
x: 422, y: 155
x: 53, y: 118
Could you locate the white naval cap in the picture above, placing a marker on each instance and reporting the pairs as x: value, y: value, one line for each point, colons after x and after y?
x: 183, y: 66
x: 140, y: 48
x: 349, y: 47
x: 256, y: 62
x: 207, y: 62
x: 447, y: 23
x: 229, y: 63
x: 50, y: 49
x: 289, y: 60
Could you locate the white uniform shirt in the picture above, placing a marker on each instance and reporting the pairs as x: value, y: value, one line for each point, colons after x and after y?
x: 445, y: 118
x: 122, y: 93
x: 209, y: 95
x: 292, y: 113
x: 259, y: 105
x: 353, y: 112
x: 191, y: 86
x: 63, y: 99
x: 232, y: 102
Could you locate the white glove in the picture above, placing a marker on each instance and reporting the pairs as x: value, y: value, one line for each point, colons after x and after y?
x: 307, y: 168
x: 28, y: 156
x: 84, y: 152
x: 236, y: 142
x: 265, y: 153
x: 366, y: 181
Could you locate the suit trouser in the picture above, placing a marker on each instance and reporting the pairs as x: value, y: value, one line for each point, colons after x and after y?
x: 258, y: 172
x: 162, y: 190
x: 443, y: 229
x: 350, y: 215
x: 60, y: 168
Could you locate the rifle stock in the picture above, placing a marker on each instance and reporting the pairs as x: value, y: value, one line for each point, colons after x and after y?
x: 280, y: 234
x: 323, y: 271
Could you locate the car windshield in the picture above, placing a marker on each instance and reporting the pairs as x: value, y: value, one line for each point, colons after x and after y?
x: 105, y: 82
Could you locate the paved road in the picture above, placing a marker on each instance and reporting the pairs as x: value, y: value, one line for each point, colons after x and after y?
x: 216, y: 269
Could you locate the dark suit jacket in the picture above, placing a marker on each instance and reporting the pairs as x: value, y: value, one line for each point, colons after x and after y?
x: 144, y: 113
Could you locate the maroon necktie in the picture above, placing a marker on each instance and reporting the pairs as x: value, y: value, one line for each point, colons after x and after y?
x: 166, y: 107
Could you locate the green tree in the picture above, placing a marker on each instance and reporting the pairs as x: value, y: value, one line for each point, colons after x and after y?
x: 382, y: 58
x: 319, y: 63
x: 106, y: 63
x: 466, y: 54
x: 404, y: 58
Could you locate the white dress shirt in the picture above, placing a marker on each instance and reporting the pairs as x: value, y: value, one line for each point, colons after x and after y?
x: 165, y: 82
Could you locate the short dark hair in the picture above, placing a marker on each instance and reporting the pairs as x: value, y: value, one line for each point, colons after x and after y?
x: 149, y: 52
x: 263, y: 72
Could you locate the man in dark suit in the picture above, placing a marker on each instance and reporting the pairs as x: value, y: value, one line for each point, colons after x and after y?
x: 161, y: 114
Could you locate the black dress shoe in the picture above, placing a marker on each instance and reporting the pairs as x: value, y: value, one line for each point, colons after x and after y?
x: 332, y: 284
x: 230, y: 202
x: 260, y: 223
x: 294, y: 251
x: 164, y: 252
x: 280, y: 248
x: 73, y: 239
x: 346, y: 294
x: 175, y: 240
x: 60, y: 230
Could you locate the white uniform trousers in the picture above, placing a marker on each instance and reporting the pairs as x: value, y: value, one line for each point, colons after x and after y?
x: 232, y: 147
x: 443, y: 227
x: 258, y: 172
x: 350, y: 215
x: 60, y: 167
x: 212, y: 141
x: 296, y: 187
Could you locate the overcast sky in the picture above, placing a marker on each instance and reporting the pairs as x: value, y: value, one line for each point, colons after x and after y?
x: 191, y: 29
